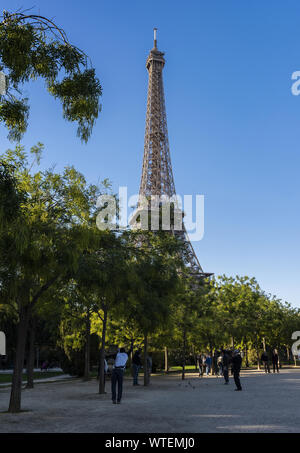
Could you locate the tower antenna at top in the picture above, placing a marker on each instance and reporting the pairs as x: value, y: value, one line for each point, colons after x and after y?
x: 155, y: 37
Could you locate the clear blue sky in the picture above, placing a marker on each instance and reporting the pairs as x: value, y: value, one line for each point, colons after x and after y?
x: 234, y: 126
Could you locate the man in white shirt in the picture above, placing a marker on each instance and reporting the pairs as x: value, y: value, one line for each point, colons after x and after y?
x: 117, y: 374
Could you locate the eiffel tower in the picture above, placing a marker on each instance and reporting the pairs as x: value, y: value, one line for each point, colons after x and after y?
x: 157, y: 175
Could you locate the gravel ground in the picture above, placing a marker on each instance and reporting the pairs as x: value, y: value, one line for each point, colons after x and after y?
x: 268, y: 403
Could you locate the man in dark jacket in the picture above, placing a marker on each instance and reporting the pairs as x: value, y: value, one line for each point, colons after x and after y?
x: 136, y: 365
x: 275, y: 360
x: 236, y: 366
x: 265, y: 360
x: 225, y: 365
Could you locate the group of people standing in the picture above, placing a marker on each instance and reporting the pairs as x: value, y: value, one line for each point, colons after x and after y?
x: 223, y: 361
x: 275, y: 361
x: 204, y: 364
x: 232, y: 360
x: 120, y: 361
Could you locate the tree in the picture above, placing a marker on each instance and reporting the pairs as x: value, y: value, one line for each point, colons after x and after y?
x: 33, y: 46
x: 77, y: 312
x: 102, y: 275
x: 10, y: 196
x: 54, y: 237
x: 153, y: 282
x: 43, y: 329
x: 243, y: 315
x: 189, y: 307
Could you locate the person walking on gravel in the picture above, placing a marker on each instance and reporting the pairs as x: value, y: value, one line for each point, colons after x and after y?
x: 275, y: 360
x: 225, y: 366
x: 220, y: 365
x: 236, y: 366
x: 265, y: 360
x: 208, y: 363
x: 117, y: 374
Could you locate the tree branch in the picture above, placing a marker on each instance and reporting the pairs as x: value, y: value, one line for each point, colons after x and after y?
x: 43, y: 289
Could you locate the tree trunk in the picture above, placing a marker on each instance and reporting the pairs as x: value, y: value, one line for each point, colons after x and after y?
x: 183, y: 354
x: 212, y: 370
x: 288, y: 354
x: 246, y: 353
x: 102, y: 355
x: 131, y: 352
x: 87, y: 348
x: 146, y: 374
x: 166, y: 360
x: 264, y: 344
x: 16, y: 388
x: 30, y: 357
x: 258, y: 361
x: 195, y: 358
x: 37, y: 357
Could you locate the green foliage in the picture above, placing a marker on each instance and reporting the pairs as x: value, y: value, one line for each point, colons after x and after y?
x: 153, y: 279
x: 51, y: 223
x: 79, y: 96
x: 32, y: 47
x: 73, y: 362
x: 241, y: 314
x: 10, y: 197
x: 14, y: 114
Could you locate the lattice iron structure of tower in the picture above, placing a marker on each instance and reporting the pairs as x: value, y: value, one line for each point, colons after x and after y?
x: 157, y: 175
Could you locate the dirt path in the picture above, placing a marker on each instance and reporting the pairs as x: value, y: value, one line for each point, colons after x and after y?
x: 269, y: 403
